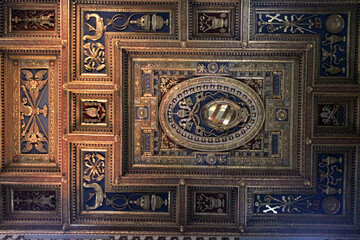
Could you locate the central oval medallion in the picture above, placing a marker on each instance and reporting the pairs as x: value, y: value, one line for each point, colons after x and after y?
x: 211, y: 113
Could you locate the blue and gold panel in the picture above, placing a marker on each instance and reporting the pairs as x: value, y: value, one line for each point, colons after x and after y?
x: 94, y: 169
x: 214, y: 113
x: 98, y: 24
x: 34, y: 118
x: 336, y: 115
x: 96, y: 198
x: 331, y: 28
x: 329, y: 200
x: 92, y: 112
x: 212, y: 205
x: 24, y: 202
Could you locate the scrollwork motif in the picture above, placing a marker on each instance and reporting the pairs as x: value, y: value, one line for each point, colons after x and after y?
x: 288, y: 23
x: 33, y: 20
x: 329, y: 175
x: 95, y: 163
x: 95, y: 60
x: 31, y: 134
x: 34, y: 200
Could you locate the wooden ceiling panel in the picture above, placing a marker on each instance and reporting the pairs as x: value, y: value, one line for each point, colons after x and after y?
x: 174, y: 119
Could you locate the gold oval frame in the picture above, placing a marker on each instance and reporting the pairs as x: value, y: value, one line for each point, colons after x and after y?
x: 232, y: 84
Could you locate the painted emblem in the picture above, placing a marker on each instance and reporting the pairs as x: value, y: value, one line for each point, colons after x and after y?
x: 211, y: 113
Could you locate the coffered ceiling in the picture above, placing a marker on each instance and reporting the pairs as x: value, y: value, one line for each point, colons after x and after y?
x: 171, y: 119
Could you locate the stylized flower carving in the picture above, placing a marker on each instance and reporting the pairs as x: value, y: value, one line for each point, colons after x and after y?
x: 95, y: 164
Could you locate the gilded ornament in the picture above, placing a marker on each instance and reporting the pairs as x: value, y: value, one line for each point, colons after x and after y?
x: 307, y: 182
x: 166, y: 83
x: 147, y: 22
x: 330, y: 205
x: 120, y: 201
x: 287, y: 23
x: 242, y: 183
x: 224, y: 114
x: 211, y: 113
x: 182, y: 182
x: 332, y: 39
x: 95, y: 111
x: 213, y: 67
x: 32, y: 136
x: 332, y: 70
x: 64, y: 179
x: 33, y: 20
x: 329, y: 175
x: 211, y: 159
x: 99, y: 29
x: 25, y: 200
x: 64, y: 43
x: 329, y: 115
x: 95, y: 60
x: 146, y: 202
x: 334, y: 23
x: 332, y: 54
x: 65, y: 227
x: 285, y: 204
x: 98, y: 193
x: 281, y: 114
x: 207, y: 23
x: 142, y: 112
x: 95, y: 167
x: 208, y: 202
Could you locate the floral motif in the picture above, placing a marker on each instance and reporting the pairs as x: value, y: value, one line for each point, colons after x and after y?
x: 166, y: 83
x: 34, y: 133
x: 95, y: 164
x: 95, y: 60
x: 201, y: 68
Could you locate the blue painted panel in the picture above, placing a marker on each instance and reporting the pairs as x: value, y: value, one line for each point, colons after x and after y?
x: 31, y: 100
x: 276, y: 84
x: 118, y: 22
x: 94, y: 179
x: 275, y: 144
x: 333, y: 46
x: 328, y: 200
